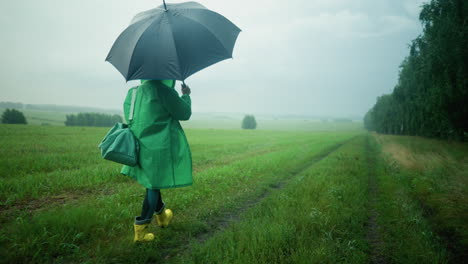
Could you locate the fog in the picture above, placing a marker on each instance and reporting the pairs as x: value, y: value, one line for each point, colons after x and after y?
x: 299, y: 57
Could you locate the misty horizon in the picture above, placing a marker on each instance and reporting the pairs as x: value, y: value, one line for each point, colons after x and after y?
x: 89, y: 109
x: 312, y: 58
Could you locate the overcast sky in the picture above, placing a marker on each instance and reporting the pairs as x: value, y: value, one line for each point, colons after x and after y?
x: 306, y: 57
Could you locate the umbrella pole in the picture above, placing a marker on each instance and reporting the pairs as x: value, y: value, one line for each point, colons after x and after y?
x: 164, y: 4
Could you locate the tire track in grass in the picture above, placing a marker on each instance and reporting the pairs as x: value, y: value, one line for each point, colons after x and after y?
x: 373, y: 230
x: 75, y: 195
x: 225, y: 219
x: 58, y: 199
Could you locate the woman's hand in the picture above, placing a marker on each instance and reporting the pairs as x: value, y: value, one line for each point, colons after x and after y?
x: 185, y: 89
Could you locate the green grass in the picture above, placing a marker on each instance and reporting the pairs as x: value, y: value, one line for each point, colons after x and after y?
x: 93, y: 221
x: 292, y: 197
x: 44, y: 161
x: 45, y: 118
x: 427, y: 192
x: 318, y: 218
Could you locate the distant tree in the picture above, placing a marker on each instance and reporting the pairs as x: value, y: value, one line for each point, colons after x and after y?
x: 249, y: 122
x: 70, y: 120
x: 13, y: 116
x: 343, y: 120
x: 92, y: 119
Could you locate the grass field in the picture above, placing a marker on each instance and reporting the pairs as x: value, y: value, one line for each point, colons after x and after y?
x: 334, y: 196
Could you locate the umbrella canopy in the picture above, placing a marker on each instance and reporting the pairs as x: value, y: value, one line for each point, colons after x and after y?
x: 172, y: 41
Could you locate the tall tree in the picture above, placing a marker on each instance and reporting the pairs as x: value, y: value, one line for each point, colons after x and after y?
x: 432, y: 91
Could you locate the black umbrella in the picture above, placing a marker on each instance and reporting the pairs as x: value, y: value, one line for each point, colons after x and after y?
x: 172, y: 41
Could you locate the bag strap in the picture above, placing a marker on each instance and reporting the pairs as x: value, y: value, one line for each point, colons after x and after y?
x: 132, y: 106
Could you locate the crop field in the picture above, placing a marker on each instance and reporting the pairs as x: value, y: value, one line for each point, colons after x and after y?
x: 260, y: 196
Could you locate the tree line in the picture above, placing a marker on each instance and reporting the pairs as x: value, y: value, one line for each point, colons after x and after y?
x: 13, y: 116
x: 431, y: 96
x: 92, y: 119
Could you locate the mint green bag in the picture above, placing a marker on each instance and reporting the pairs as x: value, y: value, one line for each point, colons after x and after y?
x: 119, y: 144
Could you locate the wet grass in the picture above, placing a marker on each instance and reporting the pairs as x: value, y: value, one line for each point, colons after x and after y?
x: 258, y: 197
x: 236, y: 166
x: 427, y: 183
x: 39, y: 161
x: 317, y: 218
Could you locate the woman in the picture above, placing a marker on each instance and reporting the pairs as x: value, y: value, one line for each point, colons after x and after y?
x: 165, y: 160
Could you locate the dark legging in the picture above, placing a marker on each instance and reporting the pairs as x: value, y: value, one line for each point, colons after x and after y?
x: 152, y: 204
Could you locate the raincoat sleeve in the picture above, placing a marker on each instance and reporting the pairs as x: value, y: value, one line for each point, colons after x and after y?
x: 126, y: 105
x: 179, y: 107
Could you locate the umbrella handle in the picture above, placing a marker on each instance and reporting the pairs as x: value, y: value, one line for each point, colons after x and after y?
x: 164, y: 2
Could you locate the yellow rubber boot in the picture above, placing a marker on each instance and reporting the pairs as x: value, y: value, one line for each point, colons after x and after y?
x: 141, y: 235
x: 163, y: 219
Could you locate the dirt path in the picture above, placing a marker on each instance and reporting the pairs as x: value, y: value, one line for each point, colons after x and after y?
x: 373, y: 236
x: 218, y: 224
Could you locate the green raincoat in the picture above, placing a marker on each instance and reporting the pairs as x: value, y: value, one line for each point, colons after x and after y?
x: 165, y: 158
